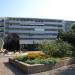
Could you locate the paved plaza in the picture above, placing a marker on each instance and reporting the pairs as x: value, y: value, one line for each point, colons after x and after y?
x: 8, y: 69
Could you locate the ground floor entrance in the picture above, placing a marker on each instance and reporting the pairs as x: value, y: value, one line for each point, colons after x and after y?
x: 29, y: 47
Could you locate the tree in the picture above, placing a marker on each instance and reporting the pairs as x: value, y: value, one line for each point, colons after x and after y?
x: 68, y: 36
x: 11, y: 42
x: 73, y: 26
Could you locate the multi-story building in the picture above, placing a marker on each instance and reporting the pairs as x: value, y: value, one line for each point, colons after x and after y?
x: 68, y: 25
x: 31, y: 30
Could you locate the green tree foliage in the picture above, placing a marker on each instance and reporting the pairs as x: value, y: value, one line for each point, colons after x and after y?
x: 73, y: 26
x: 56, y: 48
x: 11, y: 42
x: 68, y: 36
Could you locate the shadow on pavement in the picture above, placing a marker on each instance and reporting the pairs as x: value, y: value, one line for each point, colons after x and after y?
x: 70, y: 70
x: 14, y: 69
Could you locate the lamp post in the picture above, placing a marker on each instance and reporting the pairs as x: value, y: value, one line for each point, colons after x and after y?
x: 4, y: 29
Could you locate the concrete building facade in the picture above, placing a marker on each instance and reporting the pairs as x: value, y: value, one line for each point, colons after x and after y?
x: 31, y: 30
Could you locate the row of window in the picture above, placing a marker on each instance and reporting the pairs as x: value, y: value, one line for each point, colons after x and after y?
x: 37, y: 38
x: 15, y: 24
x: 31, y: 29
x: 1, y: 34
x: 1, y: 30
x: 1, y: 26
x: 35, y: 34
x: 33, y: 19
x: 2, y: 20
x: 19, y: 28
x: 33, y: 26
x: 32, y: 34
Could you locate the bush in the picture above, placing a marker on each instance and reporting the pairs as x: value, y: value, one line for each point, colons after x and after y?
x: 63, y: 49
x: 27, y: 60
x: 68, y: 36
x: 34, y: 61
x: 56, y: 48
x: 21, y: 58
x: 48, y: 61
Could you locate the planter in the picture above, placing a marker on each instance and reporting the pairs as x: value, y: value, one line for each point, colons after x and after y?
x: 35, y: 68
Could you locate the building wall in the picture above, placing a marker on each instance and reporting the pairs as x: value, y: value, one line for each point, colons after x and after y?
x: 32, y: 30
x: 1, y: 27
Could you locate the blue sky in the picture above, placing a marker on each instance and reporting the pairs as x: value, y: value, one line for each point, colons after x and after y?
x: 56, y: 9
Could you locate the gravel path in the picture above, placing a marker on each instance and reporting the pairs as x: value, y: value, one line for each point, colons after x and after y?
x: 8, y: 69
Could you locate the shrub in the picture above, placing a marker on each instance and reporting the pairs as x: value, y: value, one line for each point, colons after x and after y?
x: 48, y: 61
x: 45, y: 60
x: 68, y: 36
x: 36, y: 60
x: 56, y: 48
x: 41, y: 61
x: 21, y: 58
x: 62, y: 49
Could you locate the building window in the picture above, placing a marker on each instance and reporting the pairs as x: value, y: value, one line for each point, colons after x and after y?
x: 50, y: 29
x: 39, y: 29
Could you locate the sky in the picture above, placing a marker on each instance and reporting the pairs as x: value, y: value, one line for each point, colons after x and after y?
x: 51, y: 9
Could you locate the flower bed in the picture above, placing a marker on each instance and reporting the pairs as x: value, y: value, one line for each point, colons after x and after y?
x: 33, y: 62
x: 35, y: 68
